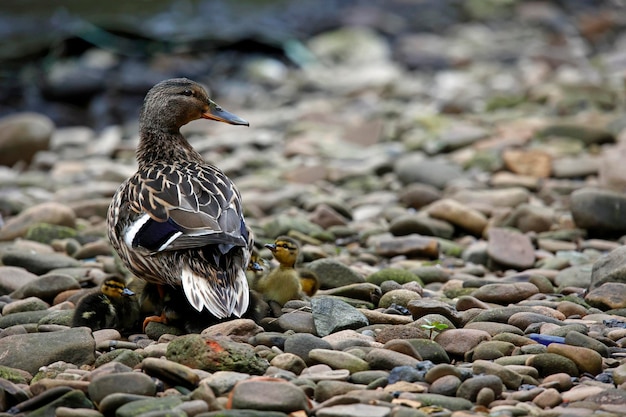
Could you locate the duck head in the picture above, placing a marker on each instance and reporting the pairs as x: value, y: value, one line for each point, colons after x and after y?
x: 173, y: 103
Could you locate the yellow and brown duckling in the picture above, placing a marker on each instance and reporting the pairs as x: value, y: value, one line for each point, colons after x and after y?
x: 285, y: 282
x: 178, y: 221
x: 111, y: 306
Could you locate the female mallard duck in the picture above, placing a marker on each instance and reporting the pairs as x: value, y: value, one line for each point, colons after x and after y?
x: 112, y: 306
x: 178, y: 221
x: 284, y: 283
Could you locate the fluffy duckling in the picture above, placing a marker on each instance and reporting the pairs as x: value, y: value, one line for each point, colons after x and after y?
x: 286, y: 282
x: 112, y: 306
x: 178, y: 221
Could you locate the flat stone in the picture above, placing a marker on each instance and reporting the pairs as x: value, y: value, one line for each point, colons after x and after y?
x: 459, y: 215
x: 459, y: 341
x: 505, y: 293
x: 510, y: 248
x: 34, y: 350
x: 269, y: 394
x: 339, y: 360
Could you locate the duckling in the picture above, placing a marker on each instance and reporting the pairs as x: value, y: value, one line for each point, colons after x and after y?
x: 309, y: 282
x: 112, y: 306
x: 178, y: 221
x: 285, y: 282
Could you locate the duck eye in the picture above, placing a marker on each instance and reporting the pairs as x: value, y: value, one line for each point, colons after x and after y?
x: 188, y: 93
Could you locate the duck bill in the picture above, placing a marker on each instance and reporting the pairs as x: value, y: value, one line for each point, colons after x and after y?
x: 270, y: 246
x: 217, y: 113
x: 127, y: 293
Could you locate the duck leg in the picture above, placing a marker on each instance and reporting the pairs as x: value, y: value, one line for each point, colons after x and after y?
x: 158, y: 319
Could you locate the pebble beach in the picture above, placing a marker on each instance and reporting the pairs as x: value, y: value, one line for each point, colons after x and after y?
x: 458, y: 192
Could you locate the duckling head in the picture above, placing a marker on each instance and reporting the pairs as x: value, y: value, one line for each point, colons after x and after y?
x: 285, y: 250
x: 115, y: 288
x: 173, y: 103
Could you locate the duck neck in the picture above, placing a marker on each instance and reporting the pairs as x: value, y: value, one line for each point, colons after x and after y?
x: 158, y: 145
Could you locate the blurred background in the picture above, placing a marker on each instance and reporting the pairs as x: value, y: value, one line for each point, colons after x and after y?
x: 90, y: 63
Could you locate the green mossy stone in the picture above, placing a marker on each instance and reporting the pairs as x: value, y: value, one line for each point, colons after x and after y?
x: 46, y: 233
x: 13, y: 375
x: 401, y: 276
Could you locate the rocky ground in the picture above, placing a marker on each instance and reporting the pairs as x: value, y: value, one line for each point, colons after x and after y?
x: 458, y: 192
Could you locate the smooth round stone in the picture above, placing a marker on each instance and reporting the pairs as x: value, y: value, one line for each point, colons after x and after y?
x: 494, y: 328
x: 269, y: 394
x: 151, y: 405
x: 470, y: 388
x: 367, y: 377
x: 444, y: 401
x: 510, y: 248
x: 297, y: 321
x: 445, y: 385
x: 222, y: 382
x: 587, y: 360
x: 333, y: 274
x: 485, y: 397
x: 289, y: 362
x: 569, y: 309
x: 338, y: 360
x: 610, y: 295
x: 552, y: 363
x: 415, y: 168
x: 594, y: 209
x: 301, y: 344
x: 13, y: 277
x: 459, y: 215
x: 73, y: 399
x: 459, y: 341
x: 26, y: 304
x: 31, y: 351
x: 192, y: 408
x: 328, y: 389
x: 350, y: 338
x: 575, y: 338
x: 171, y: 372
x: 23, y: 135
x: 323, y: 372
x: 509, y: 377
x: 386, y: 359
x: 524, y: 319
x: 399, y: 297
x: 122, y: 382
x: 506, y: 293
x: 76, y: 412
x: 39, y: 263
x: 269, y: 339
x: 492, y: 349
x: 467, y: 302
x: 549, y: 398
x: 353, y: 410
x: 49, y: 212
x: 108, y: 336
x: 46, y: 287
x: 239, y: 330
x: 430, y: 350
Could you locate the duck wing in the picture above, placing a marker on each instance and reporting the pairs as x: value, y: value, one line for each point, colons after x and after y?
x: 183, y: 206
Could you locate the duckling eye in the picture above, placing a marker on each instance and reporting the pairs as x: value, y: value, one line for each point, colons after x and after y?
x: 188, y: 93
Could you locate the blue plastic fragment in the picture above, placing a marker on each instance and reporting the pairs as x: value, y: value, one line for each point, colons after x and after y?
x: 545, y: 339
